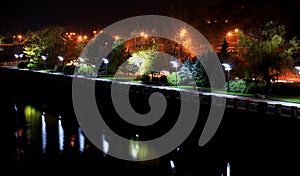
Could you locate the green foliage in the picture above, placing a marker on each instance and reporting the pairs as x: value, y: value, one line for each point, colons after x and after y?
x: 22, y: 64
x: 118, y: 55
x: 172, y: 79
x: 193, y: 72
x: 143, y: 59
x: 69, y: 69
x: 46, y: 41
x: 86, y: 70
x: 267, y: 54
x: 34, y: 65
x: 224, y: 54
x: 145, y: 78
x: 247, y: 86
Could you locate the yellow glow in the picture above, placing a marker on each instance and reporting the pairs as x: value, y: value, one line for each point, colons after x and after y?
x: 142, y: 33
x: 85, y: 37
x: 182, y: 32
x: 229, y: 34
x: 20, y: 36
x: 236, y: 30
x: 116, y: 37
x: 29, y: 112
x: 146, y: 36
x: 138, y: 150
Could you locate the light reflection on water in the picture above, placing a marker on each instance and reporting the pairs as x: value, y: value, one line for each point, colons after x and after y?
x: 44, y: 134
x: 61, y: 135
x: 81, y: 140
x: 55, y: 137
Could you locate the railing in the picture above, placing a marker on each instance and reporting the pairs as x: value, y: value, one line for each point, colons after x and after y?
x: 10, y: 63
x: 234, y: 103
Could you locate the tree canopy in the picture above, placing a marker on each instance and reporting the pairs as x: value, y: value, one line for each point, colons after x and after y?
x: 267, y: 54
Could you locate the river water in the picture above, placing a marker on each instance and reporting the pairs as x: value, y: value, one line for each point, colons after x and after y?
x: 41, y: 132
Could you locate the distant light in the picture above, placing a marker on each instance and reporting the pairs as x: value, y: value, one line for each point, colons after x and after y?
x: 44, y: 57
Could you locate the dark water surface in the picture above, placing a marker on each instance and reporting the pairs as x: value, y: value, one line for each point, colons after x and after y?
x: 41, y: 132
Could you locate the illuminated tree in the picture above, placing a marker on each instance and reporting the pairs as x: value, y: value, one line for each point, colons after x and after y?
x: 46, y: 41
x: 268, y: 54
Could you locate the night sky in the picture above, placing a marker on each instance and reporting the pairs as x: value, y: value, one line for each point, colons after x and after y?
x: 22, y: 16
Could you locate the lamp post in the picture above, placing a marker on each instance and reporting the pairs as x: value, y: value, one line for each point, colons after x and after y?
x: 80, y: 60
x: 227, y: 67
x: 44, y: 60
x: 106, y: 63
x: 298, y: 69
x: 18, y: 57
x: 62, y: 61
x: 175, y: 64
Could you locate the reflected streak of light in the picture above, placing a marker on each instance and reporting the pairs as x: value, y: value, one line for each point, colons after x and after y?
x: 105, y: 145
x: 15, y: 106
x: 61, y: 135
x: 172, y: 166
x: 228, y: 169
x: 81, y: 140
x: 44, y: 134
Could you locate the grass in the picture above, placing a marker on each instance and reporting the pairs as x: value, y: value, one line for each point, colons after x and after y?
x: 294, y: 99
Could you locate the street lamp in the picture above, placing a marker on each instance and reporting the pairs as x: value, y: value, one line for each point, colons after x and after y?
x: 176, y: 65
x: 298, y: 69
x: 80, y: 60
x: 62, y: 61
x: 44, y: 60
x: 227, y: 67
x: 18, y: 56
x: 106, y: 63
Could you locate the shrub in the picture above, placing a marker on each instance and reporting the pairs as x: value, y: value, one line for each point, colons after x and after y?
x: 22, y: 65
x: 163, y: 79
x: 86, y: 70
x: 145, y: 78
x: 280, y: 88
x: 172, y: 79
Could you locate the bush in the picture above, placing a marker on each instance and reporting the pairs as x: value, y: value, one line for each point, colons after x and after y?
x: 69, y: 69
x: 22, y: 65
x: 280, y: 88
x: 172, y: 79
x: 163, y: 79
x: 86, y: 70
x: 247, y: 86
x: 34, y: 65
x: 145, y: 78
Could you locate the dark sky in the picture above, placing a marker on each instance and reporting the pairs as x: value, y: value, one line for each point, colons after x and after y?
x: 21, y: 16
x: 28, y: 14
